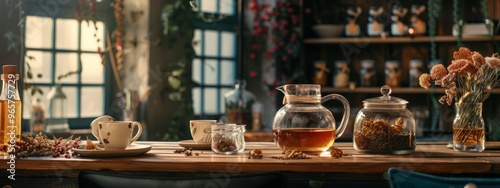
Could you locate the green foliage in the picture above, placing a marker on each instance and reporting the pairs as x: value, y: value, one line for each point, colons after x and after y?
x: 434, y: 7
x: 178, y: 27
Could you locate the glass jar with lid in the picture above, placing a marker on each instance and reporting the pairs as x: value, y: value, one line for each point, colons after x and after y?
x: 384, y: 125
x: 238, y: 104
x: 368, y: 73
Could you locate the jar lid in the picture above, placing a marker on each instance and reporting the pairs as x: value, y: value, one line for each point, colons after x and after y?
x: 385, y: 100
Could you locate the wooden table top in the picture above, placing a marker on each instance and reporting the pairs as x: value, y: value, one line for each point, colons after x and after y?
x: 428, y: 157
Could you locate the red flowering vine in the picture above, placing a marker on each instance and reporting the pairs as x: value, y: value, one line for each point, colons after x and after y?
x: 282, y: 22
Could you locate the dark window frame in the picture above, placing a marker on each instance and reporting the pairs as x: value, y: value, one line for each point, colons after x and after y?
x: 66, y: 9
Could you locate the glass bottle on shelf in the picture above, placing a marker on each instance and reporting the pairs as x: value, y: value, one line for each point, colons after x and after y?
x: 58, y: 120
x: 374, y: 27
x: 238, y: 104
x: 10, y: 106
x: 352, y: 27
x: 37, y: 119
x: 341, y: 75
x: 416, y: 69
x: 392, y: 73
x: 398, y: 27
x: 417, y: 22
x: 368, y: 73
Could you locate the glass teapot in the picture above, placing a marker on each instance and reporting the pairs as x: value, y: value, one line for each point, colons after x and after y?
x: 303, y: 123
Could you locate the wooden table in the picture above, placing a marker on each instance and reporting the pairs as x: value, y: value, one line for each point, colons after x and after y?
x: 434, y: 158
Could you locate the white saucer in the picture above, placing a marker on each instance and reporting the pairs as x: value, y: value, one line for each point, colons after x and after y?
x: 130, y: 151
x: 194, y: 145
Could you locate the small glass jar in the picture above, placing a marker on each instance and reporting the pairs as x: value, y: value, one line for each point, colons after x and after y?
x: 416, y: 69
x: 228, y: 138
x: 368, y: 73
x: 341, y: 75
x: 392, y: 73
x: 384, y: 125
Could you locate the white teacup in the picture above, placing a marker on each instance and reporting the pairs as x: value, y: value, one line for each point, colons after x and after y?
x: 200, y: 130
x: 94, y: 126
x: 118, y: 134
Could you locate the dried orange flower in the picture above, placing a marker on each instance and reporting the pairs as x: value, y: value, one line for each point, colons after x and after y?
x: 425, y: 81
x: 438, y: 71
x: 493, y: 62
x: 457, y: 65
x: 463, y: 53
x: 478, y: 59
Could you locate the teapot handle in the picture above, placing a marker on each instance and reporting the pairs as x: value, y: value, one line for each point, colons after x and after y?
x: 347, y: 111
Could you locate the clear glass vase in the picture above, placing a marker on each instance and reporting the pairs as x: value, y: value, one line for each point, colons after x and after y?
x: 468, y: 127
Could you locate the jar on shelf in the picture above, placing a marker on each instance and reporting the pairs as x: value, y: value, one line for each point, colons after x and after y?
x: 352, y: 27
x: 375, y: 27
x: 398, y: 27
x: 384, y: 125
x: 341, y: 74
x: 392, y: 73
x: 417, y: 22
x: 416, y: 69
x: 238, y: 104
x: 368, y: 73
x: 321, y: 73
x: 228, y: 138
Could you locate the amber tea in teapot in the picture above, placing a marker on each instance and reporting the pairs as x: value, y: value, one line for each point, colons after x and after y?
x: 303, y: 123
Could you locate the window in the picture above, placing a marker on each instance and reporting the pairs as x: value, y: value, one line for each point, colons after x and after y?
x: 215, y: 64
x: 57, y: 44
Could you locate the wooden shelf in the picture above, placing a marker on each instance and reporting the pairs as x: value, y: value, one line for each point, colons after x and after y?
x: 421, y: 39
x: 398, y: 90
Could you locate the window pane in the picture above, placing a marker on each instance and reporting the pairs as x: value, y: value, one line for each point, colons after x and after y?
x: 29, y: 99
x: 211, y: 43
x: 88, y: 40
x: 66, y: 34
x: 227, y: 46
x: 196, y: 100
x: 71, y: 102
x: 92, y: 101
x: 197, y: 40
x: 208, y: 6
x: 92, y: 69
x: 41, y: 65
x: 210, y: 101
x: 39, y: 32
x: 227, y: 7
x: 65, y: 63
x: 196, y: 75
x: 228, y: 72
x: 211, y: 72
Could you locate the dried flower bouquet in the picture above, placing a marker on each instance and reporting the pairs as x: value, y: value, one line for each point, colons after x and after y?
x: 469, y: 80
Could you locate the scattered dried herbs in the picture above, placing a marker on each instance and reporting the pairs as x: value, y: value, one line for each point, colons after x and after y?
x: 255, y: 154
x: 336, y: 152
x: 292, y: 154
x: 41, y: 145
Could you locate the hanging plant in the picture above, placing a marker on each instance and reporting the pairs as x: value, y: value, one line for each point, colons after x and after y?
x: 282, y: 21
x: 177, y: 20
x: 434, y: 7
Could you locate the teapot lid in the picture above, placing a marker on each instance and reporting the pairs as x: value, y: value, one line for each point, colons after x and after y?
x: 385, y: 100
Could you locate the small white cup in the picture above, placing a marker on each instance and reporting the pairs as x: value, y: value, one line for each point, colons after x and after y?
x: 118, y: 134
x: 200, y: 130
x: 94, y: 126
